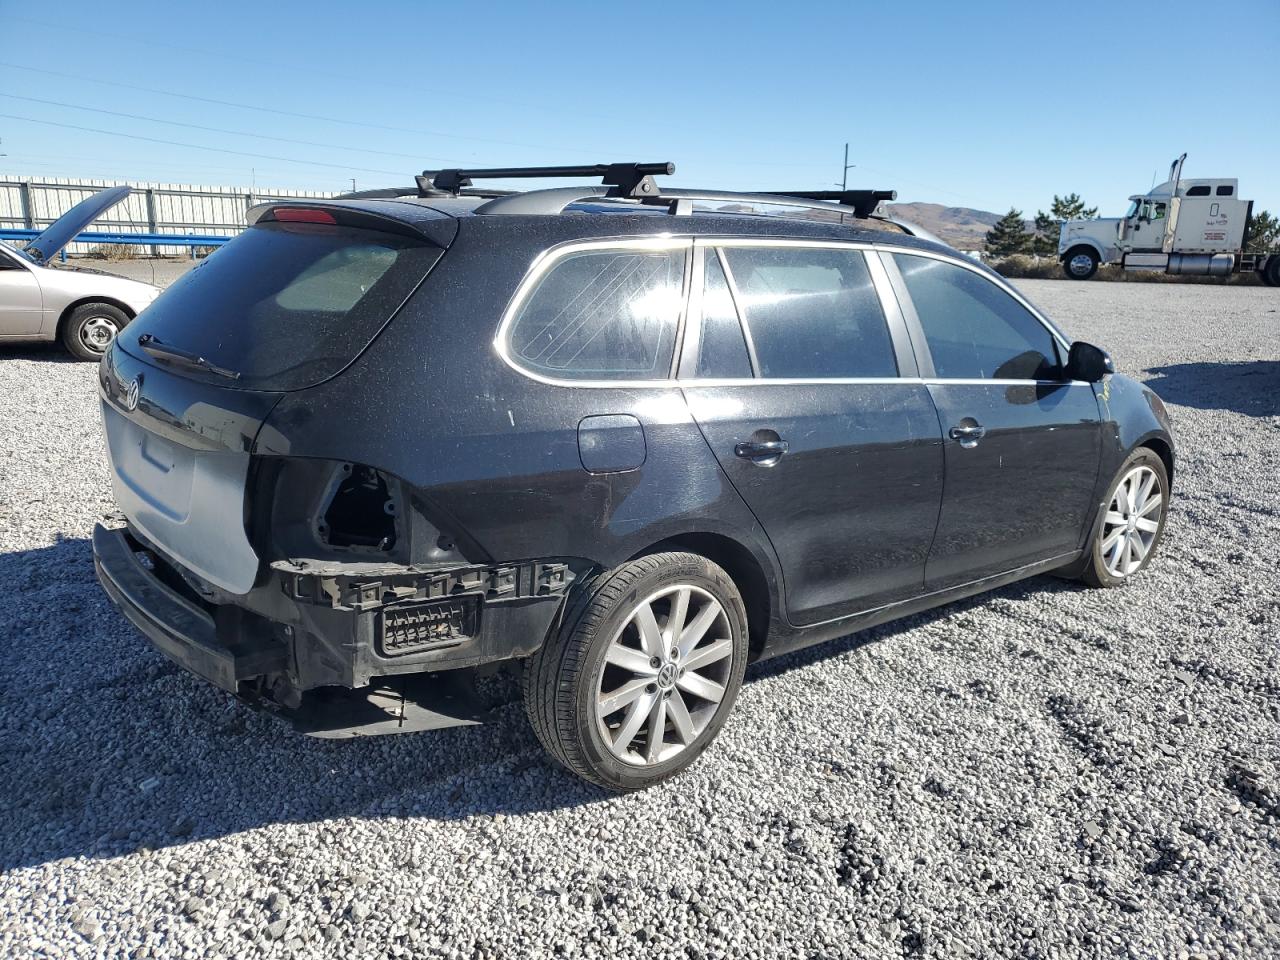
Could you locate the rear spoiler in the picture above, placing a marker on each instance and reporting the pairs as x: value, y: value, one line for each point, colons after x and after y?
x: 427, y: 224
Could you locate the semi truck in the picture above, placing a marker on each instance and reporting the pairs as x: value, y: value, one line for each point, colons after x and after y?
x: 1188, y: 227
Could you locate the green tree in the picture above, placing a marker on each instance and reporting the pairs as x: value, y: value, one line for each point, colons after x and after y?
x: 1071, y: 207
x: 1009, y: 235
x: 1044, y: 241
x: 1263, y: 233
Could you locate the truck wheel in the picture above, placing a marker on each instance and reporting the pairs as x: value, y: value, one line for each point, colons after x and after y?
x: 91, y: 328
x: 1080, y: 263
x: 1271, y: 275
x: 643, y: 673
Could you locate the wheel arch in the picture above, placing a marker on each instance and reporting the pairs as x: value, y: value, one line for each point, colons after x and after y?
x: 1085, y: 244
x: 747, y: 571
x: 82, y: 301
x: 1162, y: 449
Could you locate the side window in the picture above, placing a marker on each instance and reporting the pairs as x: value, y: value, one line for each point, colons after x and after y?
x: 1202, y: 190
x: 975, y: 330
x: 603, y: 314
x: 1226, y: 190
x: 812, y: 313
x: 722, y: 349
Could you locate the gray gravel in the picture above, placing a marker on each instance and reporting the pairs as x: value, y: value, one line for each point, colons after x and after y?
x: 1045, y: 771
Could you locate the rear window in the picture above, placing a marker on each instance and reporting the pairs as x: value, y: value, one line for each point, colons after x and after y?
x: 286, y: 305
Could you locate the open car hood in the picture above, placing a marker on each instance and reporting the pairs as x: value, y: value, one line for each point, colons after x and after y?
x: 63, y: 230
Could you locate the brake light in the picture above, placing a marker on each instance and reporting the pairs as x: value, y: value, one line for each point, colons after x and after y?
x: 302, y: 215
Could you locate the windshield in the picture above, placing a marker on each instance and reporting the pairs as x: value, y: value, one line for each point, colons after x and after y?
x: 284, y: 305
x: 1133, y: 210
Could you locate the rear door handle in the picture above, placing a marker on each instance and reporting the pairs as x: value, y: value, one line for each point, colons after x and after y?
x: 969, y: 434
x: 764, y: 452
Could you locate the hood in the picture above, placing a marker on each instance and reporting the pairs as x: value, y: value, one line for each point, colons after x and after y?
x: 63, y: 230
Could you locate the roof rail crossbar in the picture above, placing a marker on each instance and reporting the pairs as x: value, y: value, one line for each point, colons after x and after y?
x: 864, y: 202
x: 633, y: 180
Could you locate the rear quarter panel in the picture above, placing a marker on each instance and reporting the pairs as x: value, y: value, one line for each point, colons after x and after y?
x: 495, y: 453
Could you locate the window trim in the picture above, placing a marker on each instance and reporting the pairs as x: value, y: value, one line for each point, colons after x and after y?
x: 542, y: 265
x: 898, y: 310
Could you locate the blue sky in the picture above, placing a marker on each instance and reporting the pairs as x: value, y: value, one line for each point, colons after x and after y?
x: 977, y: 104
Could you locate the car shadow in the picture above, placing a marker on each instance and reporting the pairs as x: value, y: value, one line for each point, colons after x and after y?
x: 106, y: 748
x: 1251, y: 387
x: 43, y: 351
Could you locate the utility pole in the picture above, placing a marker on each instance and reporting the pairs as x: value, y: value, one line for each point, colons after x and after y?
x: 844, y: 174
x: 353, y: 184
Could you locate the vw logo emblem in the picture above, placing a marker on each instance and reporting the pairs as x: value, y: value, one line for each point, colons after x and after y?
x: 131, y: 393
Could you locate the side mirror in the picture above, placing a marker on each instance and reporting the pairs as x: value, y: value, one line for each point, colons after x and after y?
x: 1088, y: 363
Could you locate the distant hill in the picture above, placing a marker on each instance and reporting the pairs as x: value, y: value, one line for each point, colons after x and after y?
x: 962, y: 227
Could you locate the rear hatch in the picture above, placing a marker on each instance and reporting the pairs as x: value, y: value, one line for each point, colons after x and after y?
x: 289, y: 303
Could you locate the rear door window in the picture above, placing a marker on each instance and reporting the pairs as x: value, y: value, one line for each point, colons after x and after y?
x: 812, y: 313
x: 286, y: 305
x: 603, y: 315
x: 974, y: 329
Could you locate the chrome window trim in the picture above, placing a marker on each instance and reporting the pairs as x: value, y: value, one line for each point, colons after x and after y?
x: 545, y: 260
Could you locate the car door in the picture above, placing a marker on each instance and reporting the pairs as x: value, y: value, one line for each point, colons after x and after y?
x: 1022, y: 444
x: 806, y: 391
x: 21, y: 304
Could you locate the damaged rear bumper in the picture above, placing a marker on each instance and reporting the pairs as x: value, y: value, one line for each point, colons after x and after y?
x: 386, y: 647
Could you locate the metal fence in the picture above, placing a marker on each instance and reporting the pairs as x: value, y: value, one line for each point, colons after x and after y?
x: 157, y: 208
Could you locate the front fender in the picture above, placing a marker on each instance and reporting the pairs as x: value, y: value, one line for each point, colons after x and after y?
x: 1133, y: 415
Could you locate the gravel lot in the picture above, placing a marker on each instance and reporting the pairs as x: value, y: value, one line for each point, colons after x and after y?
x: 1044, y: 771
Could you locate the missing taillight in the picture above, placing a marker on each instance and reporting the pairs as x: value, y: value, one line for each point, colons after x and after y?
x: 362, y: 512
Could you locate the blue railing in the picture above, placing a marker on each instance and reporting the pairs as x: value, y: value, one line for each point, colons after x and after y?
x: 191, y: 241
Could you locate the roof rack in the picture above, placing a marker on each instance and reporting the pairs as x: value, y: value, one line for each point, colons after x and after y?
x: 633, y: 180
x: 857, y: 203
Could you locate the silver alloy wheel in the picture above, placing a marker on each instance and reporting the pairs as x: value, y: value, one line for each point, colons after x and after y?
x: 97, y: 332
x: 664, y: 675
x: 1132, y: 522
x: 1080, y: 264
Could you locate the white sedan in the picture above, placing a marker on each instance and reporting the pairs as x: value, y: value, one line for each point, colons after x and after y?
x: 82, y: 307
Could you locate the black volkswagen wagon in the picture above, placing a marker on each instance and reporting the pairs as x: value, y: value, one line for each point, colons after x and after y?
x: 628, y: 438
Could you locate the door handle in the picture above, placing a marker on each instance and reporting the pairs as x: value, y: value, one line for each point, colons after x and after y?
x: 968, y: 434
x: 763, y: 452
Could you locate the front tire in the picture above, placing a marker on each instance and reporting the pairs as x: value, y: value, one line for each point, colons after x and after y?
x: 642, y: 675
x: 1132, y: 523
x: 91, y: 328
x: 1080, y: 263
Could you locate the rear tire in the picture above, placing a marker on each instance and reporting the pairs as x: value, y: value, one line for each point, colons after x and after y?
x: 1132, y: 523
x: 1080, y: 263
x: 1271, y: 274
x: 643, y: 673
x: 91, y: 328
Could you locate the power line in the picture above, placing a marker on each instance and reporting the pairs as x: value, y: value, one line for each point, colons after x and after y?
x: 197, y: 146
x: 454, y: 94
x: 273, y: 110
x: 234, y: 133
